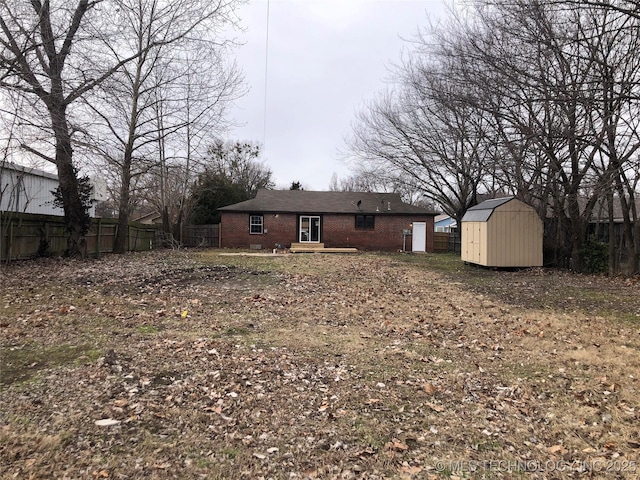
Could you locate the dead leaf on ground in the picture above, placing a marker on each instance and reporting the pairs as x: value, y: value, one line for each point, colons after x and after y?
x: 397, y: 445
x: 555, y: 449
x: 435, y: 407
x: 430, y: 388
x: 410, y: 470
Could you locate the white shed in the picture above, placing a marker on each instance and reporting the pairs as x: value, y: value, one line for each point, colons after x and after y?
x: 502, y: 232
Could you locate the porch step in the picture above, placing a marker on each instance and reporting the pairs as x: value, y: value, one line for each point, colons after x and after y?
x: 308, y: 246
x: 318, y: 248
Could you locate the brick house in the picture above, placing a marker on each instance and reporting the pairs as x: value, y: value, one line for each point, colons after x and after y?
x: 366, y: 221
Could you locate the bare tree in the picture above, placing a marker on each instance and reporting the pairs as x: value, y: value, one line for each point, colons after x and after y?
x: 57, y: 55
x: 233, y: 174
x: 630, y: 8
x: 422, y: 135
x: 149, y: 92
x: 535, y: 67
x: 534, y: 98
x: 612, y: 39
x: 45, y: 55
x: 206, y: 88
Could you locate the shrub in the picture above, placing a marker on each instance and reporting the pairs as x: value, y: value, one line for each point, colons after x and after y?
x: 595, y: 256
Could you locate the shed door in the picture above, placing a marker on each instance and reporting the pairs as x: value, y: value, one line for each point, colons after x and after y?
x: 419, y: 237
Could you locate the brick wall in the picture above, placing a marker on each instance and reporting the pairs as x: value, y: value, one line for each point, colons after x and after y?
x: 280, y: 228
x: 337, y: 231
x: 340, y: 231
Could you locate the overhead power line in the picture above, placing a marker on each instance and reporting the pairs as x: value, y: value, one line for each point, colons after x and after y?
x: 266, y: 77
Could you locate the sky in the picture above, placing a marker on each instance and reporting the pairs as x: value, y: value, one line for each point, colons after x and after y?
x: 324, y: 59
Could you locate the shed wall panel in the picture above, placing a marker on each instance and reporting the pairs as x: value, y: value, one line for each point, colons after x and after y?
x: 514, y: 237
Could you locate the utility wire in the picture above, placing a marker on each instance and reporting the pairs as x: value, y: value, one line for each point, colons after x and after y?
x: 266, y: 76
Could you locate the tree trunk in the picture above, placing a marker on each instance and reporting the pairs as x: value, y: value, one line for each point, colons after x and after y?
x: 578, y: 230
x: 120, y: 242
x: 627, y: 227
x: 613, y: 250
x: 76, y: 216
x: 635, y: 257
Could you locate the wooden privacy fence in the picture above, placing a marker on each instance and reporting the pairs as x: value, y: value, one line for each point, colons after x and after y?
x: 444, y: 242
x: 440, y: 242
x: 201, y: 235
x: 24, y: 236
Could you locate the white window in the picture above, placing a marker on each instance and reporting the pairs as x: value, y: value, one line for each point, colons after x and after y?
x: 255, y: 224
x: 439, y: 229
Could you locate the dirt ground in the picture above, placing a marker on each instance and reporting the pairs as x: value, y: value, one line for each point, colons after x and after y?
x: 195, y: 365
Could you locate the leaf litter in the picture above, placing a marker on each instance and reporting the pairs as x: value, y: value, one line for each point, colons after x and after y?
x: 195, y: 365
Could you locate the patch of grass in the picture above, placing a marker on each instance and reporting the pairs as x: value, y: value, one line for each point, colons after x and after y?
x: 258, y: 263
x: 237, y: 332
x: 300, y: 264
x: 595, y: 301
x: 445, y: 472
x: 203, y: 462
x: 487, y: 446
x: 335, y: 361
x: 526, y: 371
x: 367, y: 434
x: 229, y: 452
x: 148, y: 329
x: 632, y: 318
x: 20, y: 363
x: 32, y: 444
x: 438, y: 262
x: 537, y: 288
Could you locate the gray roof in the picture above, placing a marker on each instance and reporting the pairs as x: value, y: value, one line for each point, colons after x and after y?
x: 482, y: 211
x: 304, y: 201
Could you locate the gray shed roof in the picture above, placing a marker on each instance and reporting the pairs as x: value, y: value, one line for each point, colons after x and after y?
x: 482, y: 211
x: 303, y: 201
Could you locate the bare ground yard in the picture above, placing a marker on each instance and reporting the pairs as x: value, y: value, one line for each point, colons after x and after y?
x: 196, y: 365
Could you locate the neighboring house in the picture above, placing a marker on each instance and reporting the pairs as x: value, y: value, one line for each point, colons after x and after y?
x: 367, y: 221
x: 151, y: 218
x: 598, y: 224
x: 444, y: 223
x: 29, y: 190
x: 599, y: 221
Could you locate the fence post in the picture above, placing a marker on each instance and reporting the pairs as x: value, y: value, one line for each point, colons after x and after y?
x: 113, y: 236
x: 10, y: 240
x: 98, y: 232
x: 135, y: 242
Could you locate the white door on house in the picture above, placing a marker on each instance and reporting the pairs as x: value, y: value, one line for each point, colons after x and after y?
x: 419, y: 237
